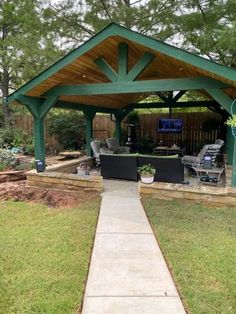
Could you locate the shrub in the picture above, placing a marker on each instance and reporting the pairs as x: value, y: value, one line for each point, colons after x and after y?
x: 7, y: 158
x: 12, y: 137
x: 69, y: 129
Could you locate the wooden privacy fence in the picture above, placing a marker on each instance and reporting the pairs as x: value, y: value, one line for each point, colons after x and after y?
x: 193, y: 136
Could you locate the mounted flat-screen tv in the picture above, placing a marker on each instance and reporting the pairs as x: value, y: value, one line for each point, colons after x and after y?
x: 169, y: 125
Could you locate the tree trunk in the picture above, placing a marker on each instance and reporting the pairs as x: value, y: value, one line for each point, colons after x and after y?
x: 5, y: 106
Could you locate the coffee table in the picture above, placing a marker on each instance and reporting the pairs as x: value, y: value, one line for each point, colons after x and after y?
x: 213, y: 174
x: 167, y: 151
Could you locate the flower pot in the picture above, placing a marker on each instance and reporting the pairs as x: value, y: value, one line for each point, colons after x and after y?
x: 147, y: 179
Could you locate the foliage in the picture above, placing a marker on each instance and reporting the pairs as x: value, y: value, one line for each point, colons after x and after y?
x: 23, y: 33
x: 231, y: 121
x: 68, y: 127
x: 146, y: 144
x: 49, y: 250
x: 208, y: 28
x: 133, y: 118
x: 7, y: 159
x: 199, y: 244
x: 10, y: 137
x: 146, y: 170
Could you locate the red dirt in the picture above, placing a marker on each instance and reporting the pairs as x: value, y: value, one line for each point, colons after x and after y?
x: 18, y: 191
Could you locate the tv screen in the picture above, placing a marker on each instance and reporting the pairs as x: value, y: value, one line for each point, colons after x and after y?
x: 170, y: 125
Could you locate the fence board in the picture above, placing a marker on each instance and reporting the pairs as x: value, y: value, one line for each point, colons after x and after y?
x: 192, y: 137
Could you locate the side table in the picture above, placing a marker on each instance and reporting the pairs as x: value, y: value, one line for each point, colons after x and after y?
x: 212, y: 174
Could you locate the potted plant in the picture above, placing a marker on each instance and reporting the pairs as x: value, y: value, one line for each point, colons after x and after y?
x: 232, y: 123
x: 146, y: 173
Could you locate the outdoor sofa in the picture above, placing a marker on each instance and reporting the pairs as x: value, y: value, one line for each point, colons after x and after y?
x: 125, y: 166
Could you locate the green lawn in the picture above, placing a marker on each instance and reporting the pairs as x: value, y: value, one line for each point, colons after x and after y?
x: 44, y: 256
x: 199, y: 244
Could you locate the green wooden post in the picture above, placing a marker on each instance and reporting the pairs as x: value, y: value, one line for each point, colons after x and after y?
x: 89, y: 116
x: 118, y: 128
x: 233, y: 181
x: 39, y: 142
x: 39, y: 110
x: 229, y: 145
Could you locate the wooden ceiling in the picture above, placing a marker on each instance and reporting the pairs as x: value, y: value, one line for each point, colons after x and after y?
x: 83, y: 70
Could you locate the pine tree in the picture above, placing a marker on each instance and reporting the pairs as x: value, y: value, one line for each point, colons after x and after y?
x: 25, y: 46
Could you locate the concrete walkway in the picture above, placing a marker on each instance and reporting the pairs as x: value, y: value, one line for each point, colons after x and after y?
x: 128, y: 274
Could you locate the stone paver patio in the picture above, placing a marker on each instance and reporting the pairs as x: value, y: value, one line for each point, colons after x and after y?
x: 128, y: 274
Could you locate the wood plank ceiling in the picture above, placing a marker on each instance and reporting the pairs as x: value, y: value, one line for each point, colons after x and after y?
x: 83, y: 70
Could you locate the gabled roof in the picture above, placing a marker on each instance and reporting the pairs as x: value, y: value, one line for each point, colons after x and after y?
x: 78, y: 67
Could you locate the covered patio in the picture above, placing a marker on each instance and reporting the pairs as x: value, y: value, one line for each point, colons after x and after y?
x: 116, y: 69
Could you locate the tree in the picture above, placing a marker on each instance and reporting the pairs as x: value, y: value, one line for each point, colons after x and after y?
x: 26, y: 46
x: 81, y: 19
x: 208, y: 27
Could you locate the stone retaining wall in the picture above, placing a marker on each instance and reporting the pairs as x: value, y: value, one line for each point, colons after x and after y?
x: 206, y: 194
x: 60, y: 176
x: 69, y: 166
x: 62, y: 181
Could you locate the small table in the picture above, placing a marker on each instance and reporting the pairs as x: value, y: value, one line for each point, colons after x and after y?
x: 168, y: 151
x: 213, y: 174
x: 71, y: 154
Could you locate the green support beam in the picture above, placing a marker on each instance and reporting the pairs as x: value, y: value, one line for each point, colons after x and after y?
x: 122, y: 61
x: 81, y: 107
x: 39, y: 142
x: 106, y: 69
x: 223, y: 99
x: 136, y: 87
x: 120, y: 115
x: 89, y: 116
x: 123, y: 75
x: 229, y: 145
x: 118, y: 128
x: 140, y: 66
x: 150, y: 43
x: 38, y: 109
x: 179, y: 104
x: 233, y: 182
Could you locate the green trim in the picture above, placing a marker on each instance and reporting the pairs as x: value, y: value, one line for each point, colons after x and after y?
x: 123, y: 61
x: 136, y: 86
x: 106, y: 69
x: 117, y: 30
x: 224, y: 100
x: 140, y: 66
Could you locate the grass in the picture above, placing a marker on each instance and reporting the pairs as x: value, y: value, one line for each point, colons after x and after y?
x: 199, y: 244
x: 44, y: 256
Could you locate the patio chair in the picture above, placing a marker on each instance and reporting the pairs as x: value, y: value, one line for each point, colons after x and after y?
x: 97, y: 150
x: 113, y: 145
x: 213, y: 150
